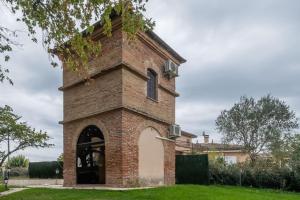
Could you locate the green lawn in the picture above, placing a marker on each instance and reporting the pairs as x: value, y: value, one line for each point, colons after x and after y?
x: 189, y: 192
x: 2, y: 188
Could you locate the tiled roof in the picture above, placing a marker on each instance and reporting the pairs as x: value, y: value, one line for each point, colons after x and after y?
x: 187, y: 134
x: 217, y: 147
x: 162, y: 43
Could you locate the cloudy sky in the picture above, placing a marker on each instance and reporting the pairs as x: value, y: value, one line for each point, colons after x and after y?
x: 233, y: 48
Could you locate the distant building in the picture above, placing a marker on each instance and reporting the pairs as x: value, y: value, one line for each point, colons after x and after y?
x: 231, y: 153
x: 184, y: 143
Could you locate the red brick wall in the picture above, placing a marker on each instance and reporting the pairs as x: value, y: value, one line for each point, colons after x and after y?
x: 103, y: 94
x: 110, y: 125
x: 132, y: 126
x: 110, y: 55
x: 121, y: 131
x: 140, y: 56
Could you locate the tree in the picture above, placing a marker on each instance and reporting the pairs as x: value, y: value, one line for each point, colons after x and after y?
x: 61, y: 158
x: 257, y: 125
x: 280, y: 148
x: 295, y: 154
x: 63, y: 21
x: 18, y: 161
x: 20, y: 135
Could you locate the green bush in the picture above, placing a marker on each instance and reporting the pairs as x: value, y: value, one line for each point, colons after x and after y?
x: 294, y: 184
x: 263, y: 174
x: 45, y: 169
x: 18, y: 161
x: 220, y: 173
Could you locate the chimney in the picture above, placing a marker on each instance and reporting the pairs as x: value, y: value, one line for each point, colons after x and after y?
x: 206, y: 137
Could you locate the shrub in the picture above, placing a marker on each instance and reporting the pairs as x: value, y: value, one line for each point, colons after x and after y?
x: 221, y: 173
x: 45, y: 169
x: 18, y: 161
x: 264, y: 174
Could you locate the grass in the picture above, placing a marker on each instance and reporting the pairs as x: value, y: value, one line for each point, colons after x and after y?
x: 2, y: 188
x: 182, y: 192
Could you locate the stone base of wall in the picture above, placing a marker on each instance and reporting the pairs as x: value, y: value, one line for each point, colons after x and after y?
x: 151, y: 182
x: 33, y: 182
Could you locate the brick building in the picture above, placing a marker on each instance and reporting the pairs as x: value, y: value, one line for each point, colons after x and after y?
x: 116, y: 129
x: 184, y: 143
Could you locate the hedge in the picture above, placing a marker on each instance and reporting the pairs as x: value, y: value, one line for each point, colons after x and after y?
x: 254, y: 176
x: 45, y: 169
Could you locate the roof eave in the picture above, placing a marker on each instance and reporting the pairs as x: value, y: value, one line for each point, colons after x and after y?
x: 188, y: 134
x: 169, y: 49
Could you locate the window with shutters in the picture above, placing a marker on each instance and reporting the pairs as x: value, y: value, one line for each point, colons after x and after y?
x: 152, y: 84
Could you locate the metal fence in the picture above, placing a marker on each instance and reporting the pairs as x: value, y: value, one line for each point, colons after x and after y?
x: 192, y: 169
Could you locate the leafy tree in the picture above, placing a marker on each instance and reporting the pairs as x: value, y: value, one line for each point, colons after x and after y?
x: 64, y: 20
x: 280, y: 148
x: 20, y: 135
x: 60, y: 158
x: 295, y: 154
x: 257, y: 125
x: 18, y: 161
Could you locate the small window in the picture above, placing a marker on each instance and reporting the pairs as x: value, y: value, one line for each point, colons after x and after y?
x: 152, y: 84
x: 230, y: 159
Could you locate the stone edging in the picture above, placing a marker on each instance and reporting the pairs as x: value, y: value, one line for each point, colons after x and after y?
x: 12, y: 190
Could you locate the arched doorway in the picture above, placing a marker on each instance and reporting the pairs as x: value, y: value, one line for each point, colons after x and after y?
x: 90, y: 166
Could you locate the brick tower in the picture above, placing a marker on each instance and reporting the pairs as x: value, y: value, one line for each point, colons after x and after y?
x: 117, y: 129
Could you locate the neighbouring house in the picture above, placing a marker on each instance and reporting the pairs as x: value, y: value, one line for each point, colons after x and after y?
x: 231, y: 153
x: 184, y: 143
x: 116, y: 129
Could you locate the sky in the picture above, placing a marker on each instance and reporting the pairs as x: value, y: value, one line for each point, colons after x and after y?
x: 232, y: 47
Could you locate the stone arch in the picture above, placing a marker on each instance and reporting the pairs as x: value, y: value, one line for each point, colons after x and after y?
x: 78, y: 130
x: 151, y: 157
x: 86, y: 123
x: 90, y: 156
x: 146, y: 124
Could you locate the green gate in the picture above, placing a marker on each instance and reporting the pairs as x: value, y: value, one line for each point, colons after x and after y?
x: 192, y: 169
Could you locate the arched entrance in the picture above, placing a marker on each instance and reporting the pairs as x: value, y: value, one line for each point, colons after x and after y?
x: 90, y: 166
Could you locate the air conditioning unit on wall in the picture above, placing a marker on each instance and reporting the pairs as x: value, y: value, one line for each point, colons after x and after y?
x: 170, y: 69
x: 175, y: 131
